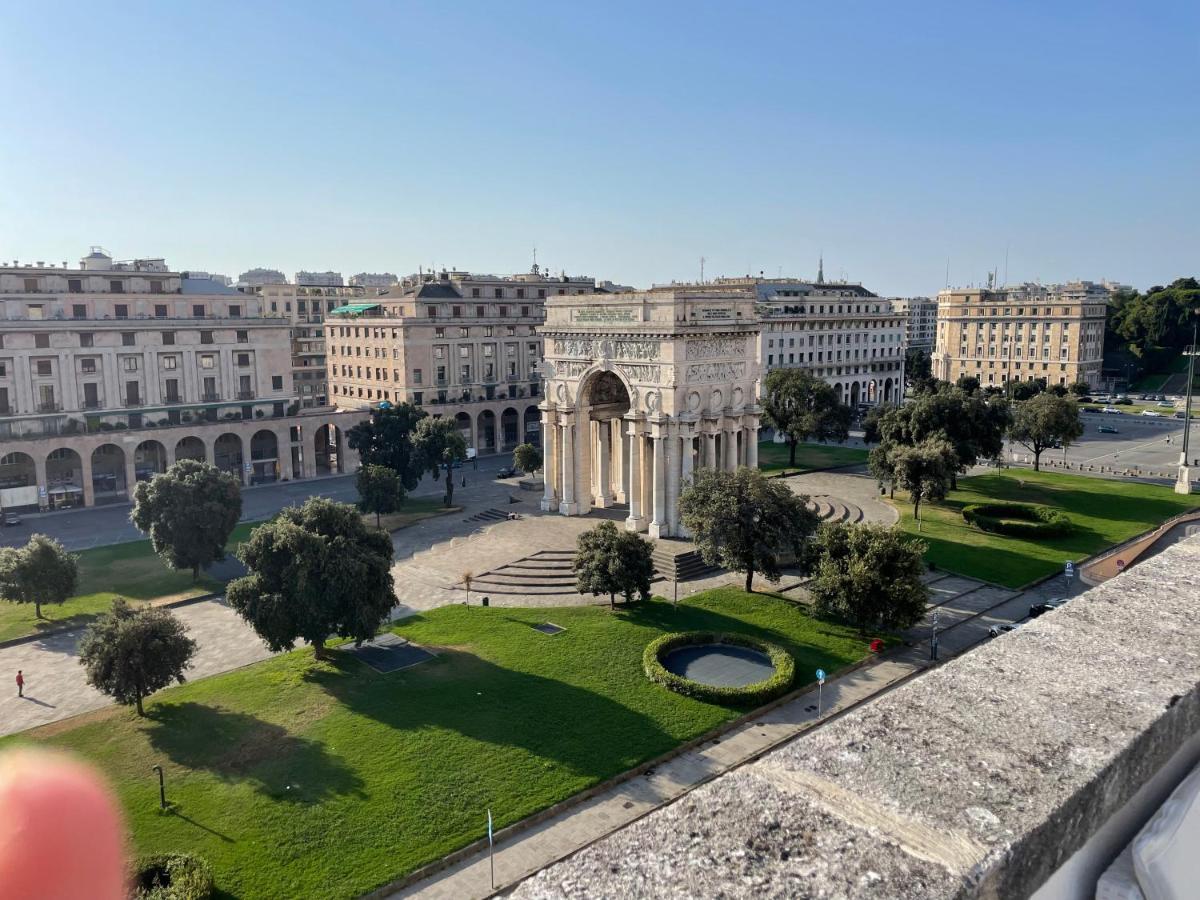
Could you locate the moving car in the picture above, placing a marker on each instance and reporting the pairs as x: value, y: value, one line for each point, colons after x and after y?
x: 1038, y: 608
x: 997, y: 630
x: 1106, y: 429
x: 1111, y: 411
x: 12, y: 519
x: 1150, y: 412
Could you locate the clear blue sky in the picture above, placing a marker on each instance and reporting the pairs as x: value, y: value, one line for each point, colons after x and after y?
x: 625, y: 140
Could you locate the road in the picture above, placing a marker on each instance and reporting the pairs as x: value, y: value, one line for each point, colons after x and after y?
x: 1140, y: 442
x: 98, y: 526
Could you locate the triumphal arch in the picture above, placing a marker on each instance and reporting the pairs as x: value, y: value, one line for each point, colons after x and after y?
x: 642, y: 388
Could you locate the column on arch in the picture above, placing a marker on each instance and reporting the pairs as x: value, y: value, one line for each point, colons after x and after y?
x: 636, y: 520
x: 751, y: 432
x: 603, y: 466
x: 729, y: 444
x: 85, y: 476
x: 658, y: 522
x: 674, y: 469
x: 687, y: 449
x: 283, y: 452
x: 567, y: 505
x: 550, y: 464
x: 620, y: 471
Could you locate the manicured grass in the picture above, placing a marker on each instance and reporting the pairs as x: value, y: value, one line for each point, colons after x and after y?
x: 298, y: 778
x: 774, y: 457
x: 130, y: 570
x: 1104, y: 513
x: 413, y: 511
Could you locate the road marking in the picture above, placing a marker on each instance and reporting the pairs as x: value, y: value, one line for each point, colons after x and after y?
x: 1127, y: 450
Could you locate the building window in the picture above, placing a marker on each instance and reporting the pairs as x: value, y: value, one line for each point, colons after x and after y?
x: 503, y: 312
x: 464, y: 352
x: 116, y: 286
x: 439, y: 332
x: 170, y: 362
x: 160, y: 310
x: 87, y: 366
x: 243, y: 337
x: 197, y: 310
x: 45, y: 367
x: 235, y: 311
x: 416, y: 376
x: 480, y: 312
x: 499, y: 292
x: 75, y: 285
x: 456, y: 312
x: 168, y: 337
x: 206, y: 337
x: 243, y: 359
x: 156, y: 286
x: 277, y: 382
x: 128, y: 338
x: 121, y: 310
x: 78, y: 311
x: 431, y: 312
x: 208, y: 361
x: 474, y: 292
x: 525, y: 311
x: 86, y: 340
x: 129, y: 363
x: 41, y: 340
x: 464, y: 332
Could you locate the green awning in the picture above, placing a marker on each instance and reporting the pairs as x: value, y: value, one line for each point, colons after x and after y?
x: 353, y: 309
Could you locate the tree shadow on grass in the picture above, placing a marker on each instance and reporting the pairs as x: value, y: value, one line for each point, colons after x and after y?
x: 590, y: 734
x: 240, y: 748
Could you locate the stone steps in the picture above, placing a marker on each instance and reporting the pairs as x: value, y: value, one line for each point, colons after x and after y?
x: 832, y: 509
x: 488, y: 515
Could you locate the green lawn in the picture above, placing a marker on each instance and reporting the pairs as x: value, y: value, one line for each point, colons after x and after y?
x: 304, y: 779
x: 773, y: 457
x: 130, y: 570
x: 1104, y: 513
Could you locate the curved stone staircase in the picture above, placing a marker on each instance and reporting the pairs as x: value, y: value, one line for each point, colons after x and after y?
x: 834, y: 509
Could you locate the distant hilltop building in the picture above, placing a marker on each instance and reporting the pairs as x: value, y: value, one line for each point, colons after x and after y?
x: 257, y: 277
x: 320, y: 279
x: 373, y: 279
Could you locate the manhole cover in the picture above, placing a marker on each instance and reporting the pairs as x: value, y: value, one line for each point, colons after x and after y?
x: 548, y: 628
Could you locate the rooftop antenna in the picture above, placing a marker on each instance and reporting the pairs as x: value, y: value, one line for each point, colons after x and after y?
x: 535, y: 265
x: 702, y: 261
x: 821, y: 268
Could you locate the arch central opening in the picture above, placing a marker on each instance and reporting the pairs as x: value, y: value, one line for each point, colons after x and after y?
x: 606, y: 400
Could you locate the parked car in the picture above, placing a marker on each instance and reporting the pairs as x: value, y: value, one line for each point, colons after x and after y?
x: 1166, y: 403
x: 1151, y: 413
x: 507, y: 472
x: 1111, y: 411
x: 997, y: 630
x: 12, y: 519
x: 1107, y: 429
x: 1181, y: 415
x: 1038, y: 608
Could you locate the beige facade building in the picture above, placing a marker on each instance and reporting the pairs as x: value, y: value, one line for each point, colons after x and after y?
x: 642, y: 389
x: 1023, y: 333
x: 456, y: 344
x: 920, y: 320
x: 96, y: 360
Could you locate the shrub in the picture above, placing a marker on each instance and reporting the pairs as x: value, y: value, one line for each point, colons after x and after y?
x: 749, y: 695
x: 172, y: 876
x: 1033, y: 520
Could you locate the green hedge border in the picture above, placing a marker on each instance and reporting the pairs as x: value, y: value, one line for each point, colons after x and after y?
x: 1042, y: 521
x: 758, y: 693
x: 191, y: 877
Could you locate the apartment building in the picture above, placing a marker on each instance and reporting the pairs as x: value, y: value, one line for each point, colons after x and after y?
x: 456, y: 343
x: 320, y: 279
x: 382, y: 280
x: 838, y: 330
x: 1022, y: 332
x: 305, y: 306
x: 256, y: 277
x: 93, y: 357
x: 920, y: 327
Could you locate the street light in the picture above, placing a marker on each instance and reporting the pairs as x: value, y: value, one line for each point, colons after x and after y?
x: 162, y: 788
x: 1183, y: 484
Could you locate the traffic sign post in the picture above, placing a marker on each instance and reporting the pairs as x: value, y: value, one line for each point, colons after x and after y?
x: 1069, y: 570
x: 820, y: 686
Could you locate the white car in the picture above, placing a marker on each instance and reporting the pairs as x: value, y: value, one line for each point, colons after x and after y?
x: 1111, y: 410
x: 997, y: 630
x: 1151, y: 413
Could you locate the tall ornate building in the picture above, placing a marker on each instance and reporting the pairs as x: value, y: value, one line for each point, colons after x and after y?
x: 643, y: 388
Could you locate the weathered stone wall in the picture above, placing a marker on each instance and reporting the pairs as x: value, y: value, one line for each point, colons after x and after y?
x: 976, y: 780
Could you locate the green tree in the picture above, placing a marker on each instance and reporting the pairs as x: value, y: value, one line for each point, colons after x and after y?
x: 1080, y: 389
x: 802, y: 407
x: 1044, y: 421
x: 611, y: 561
x: 40, y: 572
x: 130, y: 653
x: 189, y: 511
x: 870, y: 575
x: 1020, y: 391
x: 1155, y: 326
x: 974, y: 425
x: 380, y: 491
x: 872, y: 421
x: 924, y: 470
x: 527, y: 457
x: 314, y: 571
x: 439, y: 443
x: 917, y: 365
x: 881, y: 467
x: 387, y: 439
x: 968, y: 384
x: 745, y: 522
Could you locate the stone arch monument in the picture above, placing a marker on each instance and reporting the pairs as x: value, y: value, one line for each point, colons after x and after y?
x: 642, y: 388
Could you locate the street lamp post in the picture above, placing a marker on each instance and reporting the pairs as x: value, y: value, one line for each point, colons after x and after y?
x: 1183, y: 484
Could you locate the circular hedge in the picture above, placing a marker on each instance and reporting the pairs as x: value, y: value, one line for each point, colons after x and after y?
x: 1031, y: 520
x: 172, y: 876
x: 756, y: 693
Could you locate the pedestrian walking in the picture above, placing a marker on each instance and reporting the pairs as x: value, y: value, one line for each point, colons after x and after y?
x: 20, y: 684
x: 464, y: 481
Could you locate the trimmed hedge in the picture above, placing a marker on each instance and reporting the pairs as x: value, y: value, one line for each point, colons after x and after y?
x: 1035, y: 521
x: 172, y: 876
x: 751, y: 694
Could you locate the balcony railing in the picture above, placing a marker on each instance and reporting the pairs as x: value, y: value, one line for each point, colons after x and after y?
x: 245, y: 395
x: 93, y: 404
x: 210, y: 398
x: 6, y: 410
x: 49, y: 407
x: 133, y: 402
x: 173, y: 399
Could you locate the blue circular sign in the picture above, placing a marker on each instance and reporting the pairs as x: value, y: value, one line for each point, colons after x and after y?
x: 820, y: 674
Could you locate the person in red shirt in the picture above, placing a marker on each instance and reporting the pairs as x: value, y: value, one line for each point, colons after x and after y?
x: 20, y: 684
